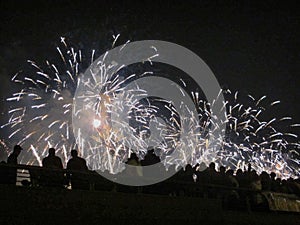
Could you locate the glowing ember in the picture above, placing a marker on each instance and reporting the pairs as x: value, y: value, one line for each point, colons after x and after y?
x: 96, y: 123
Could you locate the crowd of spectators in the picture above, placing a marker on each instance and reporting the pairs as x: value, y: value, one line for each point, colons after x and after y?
x: 52, y: 175
x: 235, y: 188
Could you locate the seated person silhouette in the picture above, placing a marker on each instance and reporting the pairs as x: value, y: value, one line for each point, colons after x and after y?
x: 54, y: 177
x: 76, y: 165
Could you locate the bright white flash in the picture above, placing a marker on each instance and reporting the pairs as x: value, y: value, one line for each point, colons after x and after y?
x: 96, y: 123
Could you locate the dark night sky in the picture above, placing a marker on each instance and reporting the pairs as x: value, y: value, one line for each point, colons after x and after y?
x: 252, y: 48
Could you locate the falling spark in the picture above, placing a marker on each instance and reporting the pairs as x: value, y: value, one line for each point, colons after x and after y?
x: 41, y: 116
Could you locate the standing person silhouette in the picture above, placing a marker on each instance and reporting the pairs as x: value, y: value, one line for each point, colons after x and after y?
x: 13, y: 161
x: 52, y: 161
x: 52, y: 178
x: 77, y: 165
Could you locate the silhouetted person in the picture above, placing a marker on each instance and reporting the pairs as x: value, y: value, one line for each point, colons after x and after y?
x: 231, y: 196
x: 201, y: 174
x: 187, y: 177
x: 52, y: 178
x: 132, y: 171
x: 134, y: 161
x: 13, y: 161
x: 223, y: 179
x: 257, y: 200
x: 150, y: 171
x: 77, y: 164
x: 212, y: 174
x: 265, y: 181
x: 13, y: 157
x: 150, y: 158
x: 233, y: 182
x: 241, y: 178
x: 210, y: 178
x: 274, y: 184
x: 52, y: 161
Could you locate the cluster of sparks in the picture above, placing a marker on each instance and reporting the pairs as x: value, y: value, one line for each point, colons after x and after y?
x: 39, y: 114
x: 40, y: 117
x: 251, y: 139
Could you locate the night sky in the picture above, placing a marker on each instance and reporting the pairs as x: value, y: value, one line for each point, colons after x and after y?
x: 252, y: 48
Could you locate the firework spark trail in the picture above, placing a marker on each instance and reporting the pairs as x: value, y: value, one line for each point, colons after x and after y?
x: 259, y: 141
x: 246, y: 125
x: 104, y: 99
x: 42, y: 109
x: 4, y: 149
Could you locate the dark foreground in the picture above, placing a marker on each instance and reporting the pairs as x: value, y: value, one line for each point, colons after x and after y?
x: 45, y: 205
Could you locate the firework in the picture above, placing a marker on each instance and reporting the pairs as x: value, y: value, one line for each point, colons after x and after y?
x: 250, y: 139
x: 110, y: 119
x: 40, y: 113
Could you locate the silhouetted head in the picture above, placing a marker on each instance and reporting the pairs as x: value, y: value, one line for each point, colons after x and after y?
x: 150, y: 151
x: 212, y: 166
x: 150, y: 158
x: 273, y: 175
x: 239, y: 172
x: 17, y: 149
x: 229, y: 172
x: 222, y: 169
x: 201, y: 167
x: 254, y: 175
x: 133, y: 156
x: 264, y: 175
x: 188, y: 168
x: 74, y: 153
x: 51, y: 151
